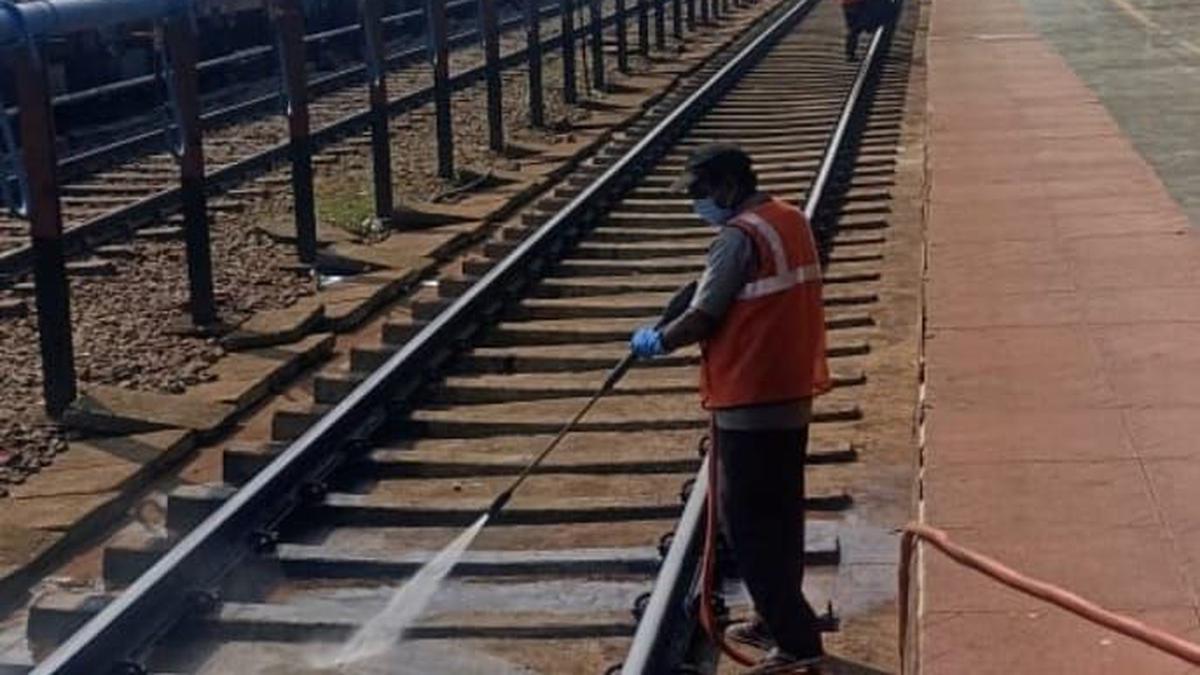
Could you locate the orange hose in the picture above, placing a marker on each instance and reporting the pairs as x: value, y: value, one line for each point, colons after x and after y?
x: 708, y: 563
x: 1050, y: 593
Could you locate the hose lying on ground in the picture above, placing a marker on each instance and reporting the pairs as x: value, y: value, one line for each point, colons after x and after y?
x: 708, y: 563
x: 1042, y: 590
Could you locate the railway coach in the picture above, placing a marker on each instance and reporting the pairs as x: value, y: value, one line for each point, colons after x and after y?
x: 97, y: 59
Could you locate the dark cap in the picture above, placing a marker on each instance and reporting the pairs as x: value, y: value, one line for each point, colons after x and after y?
x: 714, y: 159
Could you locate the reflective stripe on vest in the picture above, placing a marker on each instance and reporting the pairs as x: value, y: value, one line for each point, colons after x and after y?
x: 784, y: 278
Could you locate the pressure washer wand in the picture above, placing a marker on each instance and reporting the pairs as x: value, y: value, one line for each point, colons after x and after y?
x: 676, y: 307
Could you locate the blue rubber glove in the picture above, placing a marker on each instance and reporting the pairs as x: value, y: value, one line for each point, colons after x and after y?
x: 647, y: 343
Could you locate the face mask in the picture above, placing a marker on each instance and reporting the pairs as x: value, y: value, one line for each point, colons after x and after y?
x: 710, y: 211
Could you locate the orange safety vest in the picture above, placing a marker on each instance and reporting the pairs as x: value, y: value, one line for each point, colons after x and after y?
x: 770, y: 346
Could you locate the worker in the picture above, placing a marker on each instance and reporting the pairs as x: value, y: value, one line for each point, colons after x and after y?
x: 858, y: 20
x: 863, y: 16
x: 758, y: 316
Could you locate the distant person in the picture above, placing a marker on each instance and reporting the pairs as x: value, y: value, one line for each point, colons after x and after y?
x: 863, y: 16
x: 758, y: 316
x: 858, y: 21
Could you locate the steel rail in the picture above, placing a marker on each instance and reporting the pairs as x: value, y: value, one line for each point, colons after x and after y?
x: 197, y: 563
x: 666, y: 629
x: 870, y: 64
x: 114, y: 223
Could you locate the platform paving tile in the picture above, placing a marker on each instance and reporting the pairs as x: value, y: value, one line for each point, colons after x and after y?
x: 1015, y: 277
x: 1123, y: 225
x: 1165, y: 432
x: 1092, y: 566
x: 964, y: 256
x: 1045, y: 641
x: 951, y: 307
x: 1030, y: 499
x: 998, y: 267
x: 1174, y: 482
x: 1107, y: 206
x: 988, y: 436
x: 1055, y: 367
x: 1153, y: 364
x: 1136, y: 261
x: 1017, y: 221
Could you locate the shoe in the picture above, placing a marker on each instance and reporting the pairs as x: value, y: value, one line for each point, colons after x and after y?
x: 751, y: 633
x: 782, y: 663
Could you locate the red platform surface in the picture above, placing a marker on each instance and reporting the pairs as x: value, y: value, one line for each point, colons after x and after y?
x: 1063, y: 363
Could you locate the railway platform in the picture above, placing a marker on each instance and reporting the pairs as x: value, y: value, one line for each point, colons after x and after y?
x: 1060, y: 401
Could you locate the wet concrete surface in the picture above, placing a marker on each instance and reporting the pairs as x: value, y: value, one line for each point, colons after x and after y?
x: 1142, y: 58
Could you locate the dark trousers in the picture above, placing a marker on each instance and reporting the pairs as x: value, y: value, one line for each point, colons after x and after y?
x: 762, y: 516
x: 864, y: 16
x: 858, y: 20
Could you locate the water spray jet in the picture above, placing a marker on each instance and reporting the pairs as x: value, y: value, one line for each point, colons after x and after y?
x: 387, y: 628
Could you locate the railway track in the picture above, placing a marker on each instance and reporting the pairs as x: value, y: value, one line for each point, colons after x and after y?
x: 111, y: 190
x: 397, y: 454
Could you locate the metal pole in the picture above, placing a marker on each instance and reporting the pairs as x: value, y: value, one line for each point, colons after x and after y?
x: 660, y: 25
x: 570, y: 92
x: 677, y: 19
x: 491, y: 53
x: 643, y: 11
x: 289, y: 20
x: 179, y: 45
x: 704, y: 18
x: 52, y: 290
x: 533, y: 49
x: 691, y: 15
x: 622, y: 37
x: 440, y: 53
x: 595, y: 10
x: 371, y: 14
